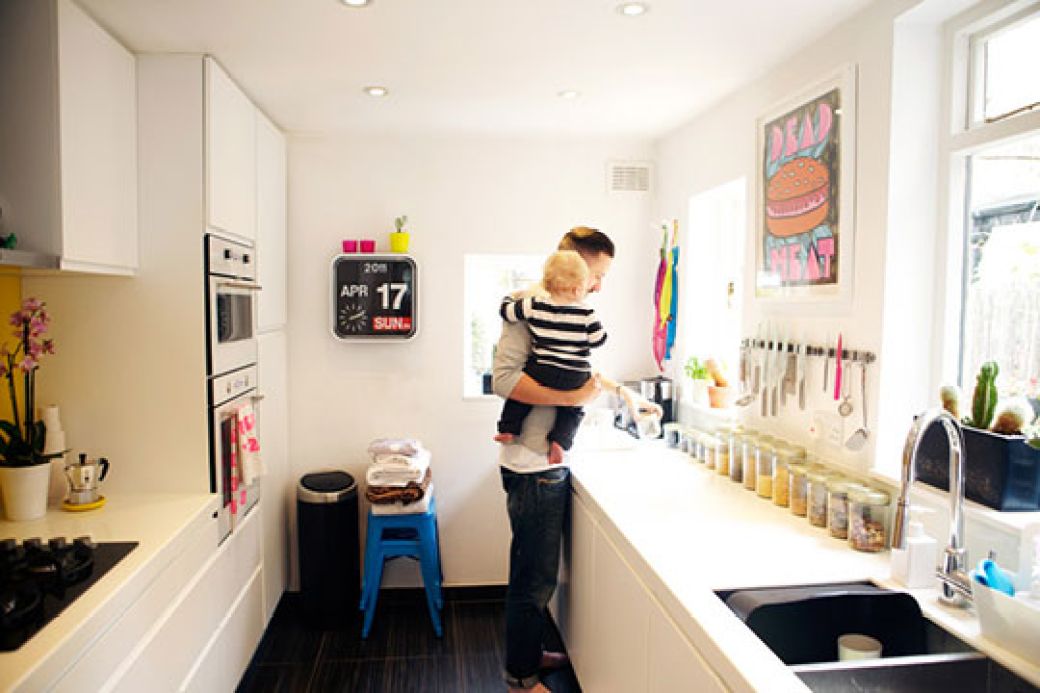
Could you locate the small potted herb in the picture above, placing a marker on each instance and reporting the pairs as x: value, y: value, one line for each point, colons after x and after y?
x: 399, y: 239
x: 701, y: 380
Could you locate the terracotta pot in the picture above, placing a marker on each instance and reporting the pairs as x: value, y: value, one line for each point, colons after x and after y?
x: 718, y: 397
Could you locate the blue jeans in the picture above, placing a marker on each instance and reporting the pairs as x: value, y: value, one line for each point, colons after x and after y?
x: 537, y: 505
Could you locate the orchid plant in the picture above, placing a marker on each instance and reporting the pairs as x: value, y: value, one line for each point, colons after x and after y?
x: 22, y: 440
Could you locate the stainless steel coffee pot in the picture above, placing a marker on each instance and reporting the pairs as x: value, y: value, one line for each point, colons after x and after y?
x: 85, y: 479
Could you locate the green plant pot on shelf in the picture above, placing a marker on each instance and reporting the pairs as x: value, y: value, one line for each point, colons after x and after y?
x: 399, y: 241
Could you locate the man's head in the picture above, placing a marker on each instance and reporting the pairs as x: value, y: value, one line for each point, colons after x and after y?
x: 595, y: 247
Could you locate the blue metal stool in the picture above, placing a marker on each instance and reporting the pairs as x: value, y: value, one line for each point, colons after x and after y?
x: 413, y: 535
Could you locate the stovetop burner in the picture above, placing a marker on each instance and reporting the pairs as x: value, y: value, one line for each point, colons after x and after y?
x: 37, y: 580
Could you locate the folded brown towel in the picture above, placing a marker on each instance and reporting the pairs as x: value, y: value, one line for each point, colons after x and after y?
x: 399, y: 494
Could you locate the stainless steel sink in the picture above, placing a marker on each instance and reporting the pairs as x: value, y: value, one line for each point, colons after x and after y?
x: 801, y: 625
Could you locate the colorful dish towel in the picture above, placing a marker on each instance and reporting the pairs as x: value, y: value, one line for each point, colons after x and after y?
x: 419, y: 506
x: 394, y: 446
x: 250, y: 466
x: 397, y: 469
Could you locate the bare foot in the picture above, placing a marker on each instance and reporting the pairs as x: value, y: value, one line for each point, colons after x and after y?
x: 553, y: 660
x: 555, y: 453
x: 504, y: 438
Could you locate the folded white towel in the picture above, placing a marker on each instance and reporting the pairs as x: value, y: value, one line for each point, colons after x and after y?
x: 394, y: 446
x: 379, y: 475
x: 419, y: 506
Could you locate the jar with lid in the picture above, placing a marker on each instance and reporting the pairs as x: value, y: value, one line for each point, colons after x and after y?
x: 749, y: 464
x: 736, y: 454
x: 838, y: 506
x: 711, y: 450
x: 798, y: 488
x: 764, y: 463
x: 672, y: 434
x: 686, y: 439
x: 868, y: 519
x: 723, y: 454
x: 818, y: 497
x: 781, y: 483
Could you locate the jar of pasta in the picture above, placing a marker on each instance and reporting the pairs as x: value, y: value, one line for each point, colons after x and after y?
x: 766, y: 460
x: 868, y: 519
x: 724, y: 455
x: 736, y: 455
x: 749, y: 461
x: 798, y: 488
x: 838, y: 506
x: 818, y: 497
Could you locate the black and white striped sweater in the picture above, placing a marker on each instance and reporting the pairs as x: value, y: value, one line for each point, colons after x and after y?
x: 562, y: 335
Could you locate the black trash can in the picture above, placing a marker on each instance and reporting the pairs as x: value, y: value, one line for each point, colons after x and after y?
x: 330, y: 550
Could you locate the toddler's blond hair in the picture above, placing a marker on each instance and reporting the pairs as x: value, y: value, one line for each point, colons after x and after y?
x: 564, y: 271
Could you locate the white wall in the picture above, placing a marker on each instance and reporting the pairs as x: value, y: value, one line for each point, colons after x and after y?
x: 462, y: 195
x: 719, y: 146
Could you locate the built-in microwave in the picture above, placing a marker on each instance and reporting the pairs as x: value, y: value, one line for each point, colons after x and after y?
x: 231, y: 305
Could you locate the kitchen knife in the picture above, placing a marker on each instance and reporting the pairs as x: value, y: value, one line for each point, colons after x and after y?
x: 837, y: 370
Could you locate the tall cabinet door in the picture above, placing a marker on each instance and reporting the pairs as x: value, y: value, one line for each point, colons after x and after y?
x: 230, y: 155
x: 271, y: 245
x: 98, y: 104
x: 276, y: 488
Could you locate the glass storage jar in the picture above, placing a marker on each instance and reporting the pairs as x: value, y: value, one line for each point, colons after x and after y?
x: 711, y: 450
x: 868, y: 519
x: 765, y: 461
x: 838, y: 506
x: 686, y: 439
x: 736, y: 454
x: 723, y: 456
x: 749, y: 461
x: 798, y: 488
x: 672, y: 434
x: 818, y: 497
x: 781, y: 482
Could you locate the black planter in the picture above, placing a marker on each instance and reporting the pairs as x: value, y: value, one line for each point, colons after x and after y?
x: 1000, y: 472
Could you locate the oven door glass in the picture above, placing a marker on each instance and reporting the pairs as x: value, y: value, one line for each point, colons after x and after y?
x: 234, y: 317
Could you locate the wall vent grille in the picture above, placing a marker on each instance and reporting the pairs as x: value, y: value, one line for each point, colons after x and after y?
x: 628, y: 176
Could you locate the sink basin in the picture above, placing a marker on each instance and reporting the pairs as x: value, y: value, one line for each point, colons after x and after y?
x: 801, y: 625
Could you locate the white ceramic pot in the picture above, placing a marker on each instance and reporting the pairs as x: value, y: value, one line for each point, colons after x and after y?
x: 699, y: 391
x: 25, y: 491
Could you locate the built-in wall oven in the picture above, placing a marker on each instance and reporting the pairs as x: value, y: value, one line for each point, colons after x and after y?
x: 231, y: 352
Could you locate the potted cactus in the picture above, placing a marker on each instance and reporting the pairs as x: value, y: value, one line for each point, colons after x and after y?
x: 399, y: 238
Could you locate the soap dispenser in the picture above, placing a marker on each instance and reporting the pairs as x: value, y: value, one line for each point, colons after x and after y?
x: 915, y: 565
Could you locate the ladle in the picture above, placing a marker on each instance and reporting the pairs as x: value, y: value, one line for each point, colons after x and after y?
x: 859, y: 437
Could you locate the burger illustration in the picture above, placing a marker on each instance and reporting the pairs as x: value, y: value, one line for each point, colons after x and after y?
x: 798, y: 197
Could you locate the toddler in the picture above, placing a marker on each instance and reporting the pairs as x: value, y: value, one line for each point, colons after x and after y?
x: 563, y: 332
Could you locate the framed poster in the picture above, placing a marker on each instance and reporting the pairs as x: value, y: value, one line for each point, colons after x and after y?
x: 805, y: 182
x: 374, y: 297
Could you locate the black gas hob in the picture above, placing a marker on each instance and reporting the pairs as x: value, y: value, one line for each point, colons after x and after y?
x: 38, y: 580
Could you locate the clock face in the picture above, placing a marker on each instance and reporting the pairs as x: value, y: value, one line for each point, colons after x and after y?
x: 353, y: 317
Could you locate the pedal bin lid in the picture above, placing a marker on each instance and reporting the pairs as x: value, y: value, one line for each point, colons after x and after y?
x: 325, y: 487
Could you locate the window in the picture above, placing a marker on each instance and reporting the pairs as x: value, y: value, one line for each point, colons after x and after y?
x: 995, y: 167
x: 487, y: 278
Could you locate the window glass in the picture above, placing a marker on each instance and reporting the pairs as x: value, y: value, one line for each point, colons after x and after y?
x: 487, y: 279
x: 1001, y: 320
x: 1011, y: 56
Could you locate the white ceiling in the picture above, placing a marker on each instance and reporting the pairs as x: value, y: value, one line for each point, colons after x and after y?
x: 479, y: 66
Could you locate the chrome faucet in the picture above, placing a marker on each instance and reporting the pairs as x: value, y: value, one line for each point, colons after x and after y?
x: 952, y: 572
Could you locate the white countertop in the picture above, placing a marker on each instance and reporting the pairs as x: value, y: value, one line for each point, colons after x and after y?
x: 690, y: 531
x: 152, y: 520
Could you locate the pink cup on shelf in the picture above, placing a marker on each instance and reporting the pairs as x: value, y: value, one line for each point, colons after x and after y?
x: 368, y: 246
x: 349, y: 246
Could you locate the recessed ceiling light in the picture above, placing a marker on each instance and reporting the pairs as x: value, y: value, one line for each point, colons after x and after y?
x: 569, y: 94
x: 355, y: 3
x: 377, y: 91
x: 633, y: 9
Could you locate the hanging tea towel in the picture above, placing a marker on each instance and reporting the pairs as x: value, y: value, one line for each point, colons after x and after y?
x: 249, y: 462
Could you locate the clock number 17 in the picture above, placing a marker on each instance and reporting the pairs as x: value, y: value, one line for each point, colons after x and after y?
x: 399, y: 289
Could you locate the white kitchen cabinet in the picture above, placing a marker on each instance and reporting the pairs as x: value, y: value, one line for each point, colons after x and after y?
x: 230, y: 155
x: 271, y: 242
x: 68, y: 175
x: 574, y: 612
x: 672, y: 662
x: 272, y: 420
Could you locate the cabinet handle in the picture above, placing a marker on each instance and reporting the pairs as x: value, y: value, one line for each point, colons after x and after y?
x: 257, y: 397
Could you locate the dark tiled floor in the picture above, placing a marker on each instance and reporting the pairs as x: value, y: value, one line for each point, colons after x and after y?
x: 401, y: 654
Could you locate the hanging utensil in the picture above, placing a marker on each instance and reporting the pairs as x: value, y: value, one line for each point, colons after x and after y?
x: 839, y: 356
x: 845, y: 408
x: 859, y: 437
x: 826, y: 366
x: 749, y: 383
x: 766, y: 370
x: 799, y: 363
